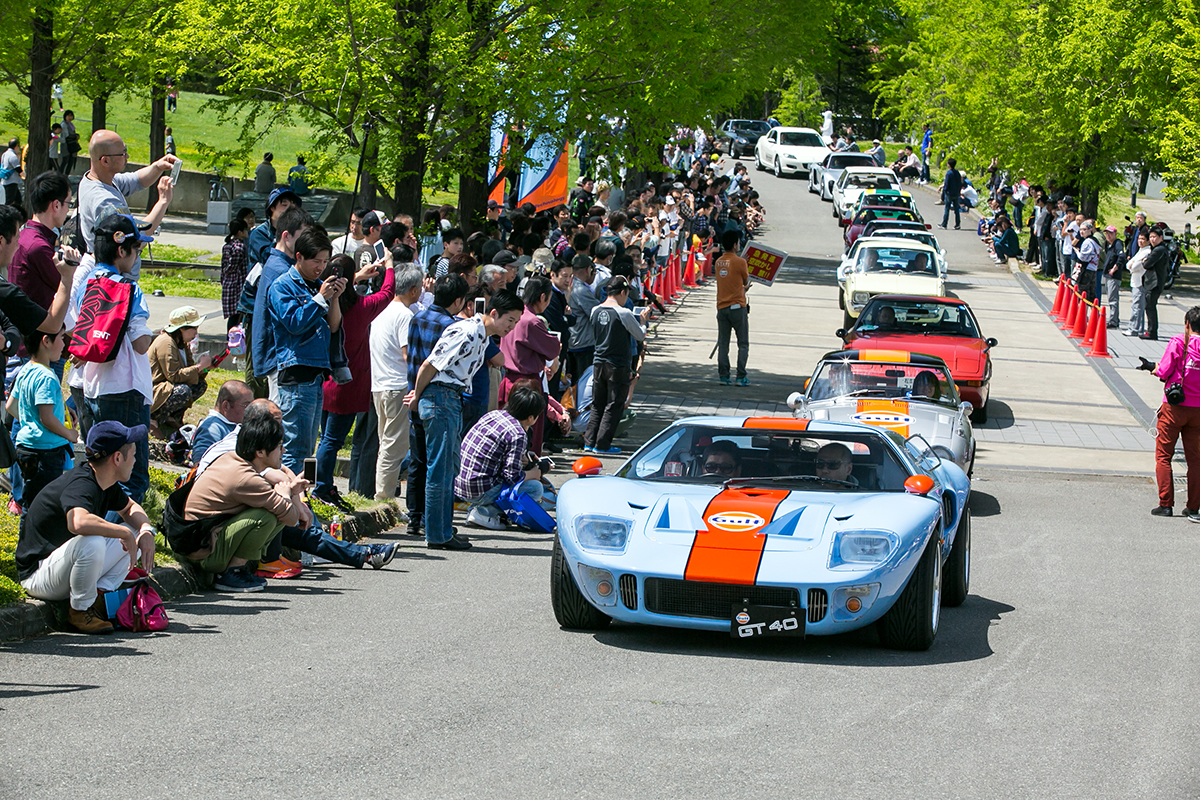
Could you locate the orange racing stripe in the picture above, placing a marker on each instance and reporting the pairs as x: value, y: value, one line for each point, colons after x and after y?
x: 776, y: 423
x: 894, y: 356
x: 730, y: 550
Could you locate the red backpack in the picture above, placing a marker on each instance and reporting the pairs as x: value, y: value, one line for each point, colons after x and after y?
x: 103, y: 319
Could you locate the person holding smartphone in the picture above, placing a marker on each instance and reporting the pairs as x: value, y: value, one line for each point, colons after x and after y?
x: 529, y: 349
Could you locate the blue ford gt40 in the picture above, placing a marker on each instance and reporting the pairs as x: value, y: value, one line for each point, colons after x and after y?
x: 766, y: 526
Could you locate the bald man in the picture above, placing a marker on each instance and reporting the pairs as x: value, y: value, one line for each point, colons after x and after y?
x: 104, y: 188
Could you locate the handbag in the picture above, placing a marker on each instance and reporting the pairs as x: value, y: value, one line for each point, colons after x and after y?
x: 143, y: 609
x: 1174, y: 393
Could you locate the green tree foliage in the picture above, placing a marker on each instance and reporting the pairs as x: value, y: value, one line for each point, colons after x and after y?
x: 1074, y: 91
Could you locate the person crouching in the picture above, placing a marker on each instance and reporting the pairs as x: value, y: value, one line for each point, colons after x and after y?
x: 178, y: 378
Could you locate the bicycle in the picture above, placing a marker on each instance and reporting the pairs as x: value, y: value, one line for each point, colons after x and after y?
x: 216, y: 186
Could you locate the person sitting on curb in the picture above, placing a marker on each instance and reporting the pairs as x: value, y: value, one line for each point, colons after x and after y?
x: 310, y: 539
x: 494, y: 458
x: 232, y: 399
x: 178, y: 380
x: 253, y: 510
x: 66, y: 549
x: 36, y: 400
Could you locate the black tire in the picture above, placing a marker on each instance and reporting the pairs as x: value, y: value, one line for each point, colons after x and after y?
x: 811, y: 188
x: 835, y: 211
x: 847, y: 320
x: 912, y: 622
x: 571, y: 608
x: 778, y: 169
x: 758, y: 162
x: 841, y: 300
x: 979, y: 415
x: 956, y: 580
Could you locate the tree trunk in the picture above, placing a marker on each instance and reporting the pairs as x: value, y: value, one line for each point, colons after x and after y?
x: 158, y: 136
x: 1089, y: 200
x: 41, y: 78
x: 368, y: 197
x: 1143, y: 179
x: 414, y: 17
x: 410, y: 179
x: 100, y: 112
x: 472, y: 190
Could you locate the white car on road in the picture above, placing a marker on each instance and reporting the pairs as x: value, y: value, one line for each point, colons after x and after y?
x: 853, y: 182
x: 787, y: 151
x: 825, y: 173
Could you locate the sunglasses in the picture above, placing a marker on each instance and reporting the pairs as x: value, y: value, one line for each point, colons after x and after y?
x: 821, y: 463
x: 719, y: 466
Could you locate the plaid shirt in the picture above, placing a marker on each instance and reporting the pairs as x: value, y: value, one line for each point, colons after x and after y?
x: 423, y: 333
x: 235, y: 262
x: 491, y: 455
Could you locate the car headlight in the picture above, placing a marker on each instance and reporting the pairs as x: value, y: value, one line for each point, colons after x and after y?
x: 792, y: 158
x: 862, y: 547
x: 594, y: 532
x: 860, y: 298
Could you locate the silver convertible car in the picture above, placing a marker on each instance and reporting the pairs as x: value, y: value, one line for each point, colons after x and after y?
x: 909, y: 393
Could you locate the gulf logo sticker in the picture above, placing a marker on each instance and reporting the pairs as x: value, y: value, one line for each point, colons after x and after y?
x: 736, y: 521
x: 890, y: 414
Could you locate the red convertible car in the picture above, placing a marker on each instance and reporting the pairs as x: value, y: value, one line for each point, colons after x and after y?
x: 938, y: 326
x: 869, y: 214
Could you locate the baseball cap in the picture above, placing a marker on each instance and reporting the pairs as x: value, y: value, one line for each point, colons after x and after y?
x: 371, y: 220
x: 874, y: 141
x: 109, y: 436
x: 492, y: 204
x: 503, y: 258
x: 120, y: 228
x: 280, y: 194
x: 183, y: 317
x: 1111, y: 229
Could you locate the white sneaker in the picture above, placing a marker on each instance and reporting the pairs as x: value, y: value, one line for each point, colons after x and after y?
x: 482, y: 520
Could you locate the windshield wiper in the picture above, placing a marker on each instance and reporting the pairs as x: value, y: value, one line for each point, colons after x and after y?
x: 789, y: 478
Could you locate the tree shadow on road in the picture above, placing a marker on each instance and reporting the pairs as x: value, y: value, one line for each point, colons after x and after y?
x: 962, y: 636
x: 9, y: 691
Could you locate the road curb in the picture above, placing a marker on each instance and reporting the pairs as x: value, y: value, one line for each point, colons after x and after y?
x: 35, y: 617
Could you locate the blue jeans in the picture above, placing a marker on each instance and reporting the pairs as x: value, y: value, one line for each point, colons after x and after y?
x: 364, y: 452
x: 314, y: 541
x: 486, y: 502
x: 128, y: 408
x: 301, y: 407
x: 951, y: 200
x: 337, y: 427
x: 440, y: 408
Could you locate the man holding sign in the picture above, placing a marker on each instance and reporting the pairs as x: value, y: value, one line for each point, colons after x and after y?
x: 733, y: 279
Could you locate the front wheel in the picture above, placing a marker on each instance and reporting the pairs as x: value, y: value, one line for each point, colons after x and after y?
x: 912, y: 622
x: 812, y: 189
x: 571, y: 609
x: 758, y: 165
x: 958, y: 563
x: 778, y: 169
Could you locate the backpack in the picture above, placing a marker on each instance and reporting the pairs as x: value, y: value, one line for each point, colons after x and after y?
x: 184, y: 535
x: 103, y: 320
x: 143, y: 609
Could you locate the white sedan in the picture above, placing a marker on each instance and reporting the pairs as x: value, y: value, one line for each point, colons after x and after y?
x: 853, y: 182
x: 825, y: 173
x: 787, y: 151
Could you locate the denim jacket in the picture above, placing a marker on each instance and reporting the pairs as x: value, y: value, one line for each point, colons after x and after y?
x: 298, y: 322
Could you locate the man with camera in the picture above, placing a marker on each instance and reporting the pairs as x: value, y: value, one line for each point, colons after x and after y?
x: 1086, y: 272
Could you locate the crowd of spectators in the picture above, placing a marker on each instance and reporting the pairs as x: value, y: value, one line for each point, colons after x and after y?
x: 455, y: 361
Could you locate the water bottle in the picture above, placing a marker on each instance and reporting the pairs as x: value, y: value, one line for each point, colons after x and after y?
x: 335, y: 528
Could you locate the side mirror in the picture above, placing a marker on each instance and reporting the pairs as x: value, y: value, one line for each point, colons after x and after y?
x: 795, y: 399
x: 586, y: 466
x: 991, y: 342
x: 965, y: 407
x: 840, y: 333
x: 918, y: 484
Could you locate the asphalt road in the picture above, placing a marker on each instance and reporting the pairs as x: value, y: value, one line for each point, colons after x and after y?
x: 1069, y: 672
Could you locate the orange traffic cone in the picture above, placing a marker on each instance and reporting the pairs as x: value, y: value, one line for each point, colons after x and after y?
x: 1081, y: 320
x: 664, y: 283
x: 1100, y: 346
x: 1071, y: 307
x: 1058, y: 297
x: 1090, y: 337
x: 689, y: 275
x: 1065, y: 309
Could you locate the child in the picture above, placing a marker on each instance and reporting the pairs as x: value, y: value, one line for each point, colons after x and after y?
x: 44, y: 440
x: 235, y: 263
x: 178, y: 380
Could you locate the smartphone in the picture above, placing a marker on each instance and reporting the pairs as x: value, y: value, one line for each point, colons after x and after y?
x: 639, y: 310
x: 310, y: 470
x: 331, y: 271
x: 480, y: 305
x: 176, y: 168
x: 217, y: 361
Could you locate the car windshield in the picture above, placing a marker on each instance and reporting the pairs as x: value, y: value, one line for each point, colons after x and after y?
x: 891, y: 200
x: 895, y: 259
x: 843, y: 160
x: 784, y: 457
x: 860, y: 181
x: 750, y: 126
x: 893, y: 381
x: 892, y: 226
x: 799, y: 139
x: 884, y: 212
x: 924, y: 237
x: 918, y: 317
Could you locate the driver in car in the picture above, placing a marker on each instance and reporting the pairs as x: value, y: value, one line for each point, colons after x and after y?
x: 834, y: 463
x: 723, y: 457
x: 926, y: 385
x: 920, y: 263
x: 886, y: 318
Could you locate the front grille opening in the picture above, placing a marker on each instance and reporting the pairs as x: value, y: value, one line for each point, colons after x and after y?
x: 818, y: 605
x: 629, y: 591
x: 678, y: 598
